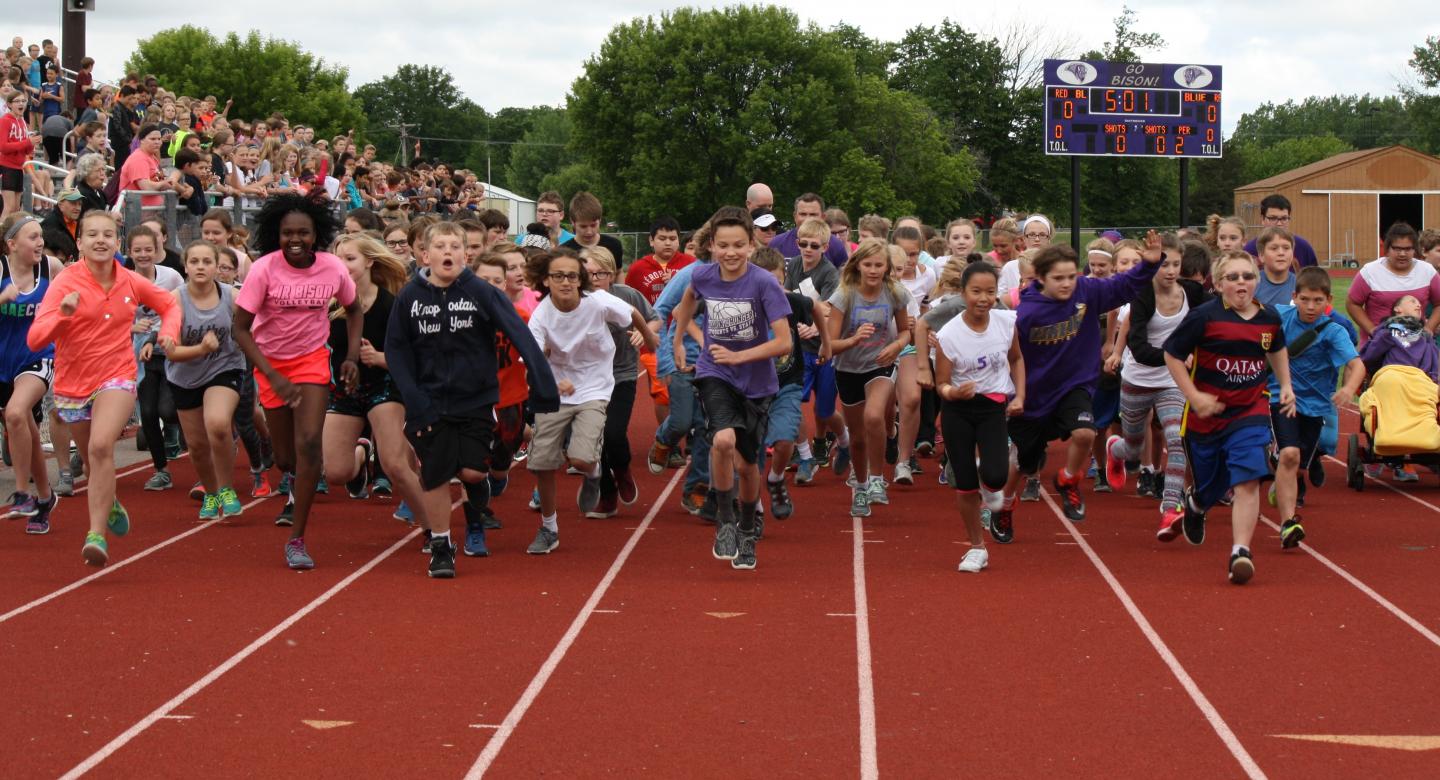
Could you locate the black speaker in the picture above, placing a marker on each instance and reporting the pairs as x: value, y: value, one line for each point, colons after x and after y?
x: 79, y: 5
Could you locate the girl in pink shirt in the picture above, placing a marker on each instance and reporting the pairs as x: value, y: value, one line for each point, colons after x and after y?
x: 282, y: 324
x: 87, y: 312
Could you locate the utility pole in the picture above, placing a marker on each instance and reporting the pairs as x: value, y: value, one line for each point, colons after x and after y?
x: 72, y: 32
x: 403, y: 129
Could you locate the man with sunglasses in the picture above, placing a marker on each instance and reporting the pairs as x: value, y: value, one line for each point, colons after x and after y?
x: 1275, y: 212
x: 809, y: 206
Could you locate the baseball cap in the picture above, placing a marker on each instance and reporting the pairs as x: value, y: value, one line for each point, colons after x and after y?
x: 764, y: 219
x: 69, y: 193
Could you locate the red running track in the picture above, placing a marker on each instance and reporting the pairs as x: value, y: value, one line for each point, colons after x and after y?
x: 1086, y: 650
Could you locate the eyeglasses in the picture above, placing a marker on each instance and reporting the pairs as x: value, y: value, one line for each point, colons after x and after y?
x: 1402, y: 250
x: 1037, y: 235
x: 840, y: 232
x: 809, y: 245
x: 547, y: 211
x: 563, y: 277
x: 397, y: 244
x: 601, y: 274
x: 1244, y: 276
x: 1280, y: 220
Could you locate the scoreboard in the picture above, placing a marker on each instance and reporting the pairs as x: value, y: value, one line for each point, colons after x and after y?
x: 1132, y: 109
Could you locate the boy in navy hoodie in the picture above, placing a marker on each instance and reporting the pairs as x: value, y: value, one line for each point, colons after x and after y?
x: 1058, y: 322
x: 440, y: 347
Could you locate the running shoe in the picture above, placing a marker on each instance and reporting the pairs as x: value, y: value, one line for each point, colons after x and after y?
x: 944, y: 476
x: 488, y: 517
x: 694, y: 499
x: 22, y: 505
x: 878, y: 492
x: 210, y: 507
x: 859, y: 502
x: 588, y: 496
x: 985, y: 514
x: 403, y: 513
x: 197, y: 492
x: 425, y: 540
x: 442, y: 560
x: 805, y: 471
x: 659, y: 458
x: 1228, y: 498
x: 924, y: 448
x: 1070, y: 499
x: 975, y: 560
x: 607, y: 506
x: 160, y: 480
x: 1317, y: 470
x: 840, y: 461
x: 321, y: 486
x: 119, y: 519
x: 287, y: 481
x: 286, y: 517
x: 1270, y: 494
x: 1114, y: 464
x: 1291, y: 533
x: 497, y: 486
x: 259, y: 484
x: 1374, y: 470
x: 779, y: 499
x: 65, y: 486
x: 1031, y: 492
x: 230, y: 502
x: 381, y: 487
x: 475, y: 541
x: 40, y: 523
x: 1406, y: 474
x: 1145, y: 484
x: 77, y: 465
x: 677, y: 460
x: 821, y: 448
x: 534, y: 499
x: 1194, y: 522
x: 296, y: 556
x: 727, y: 541
x: 522, y: 453
x: 625, y: 486
x: 1171, y: 522
x: 1242, y: 567
x: 1092, y: 471
x: 1002, y: 526
x: 1101, y: 486
x: 545, y: 542
x: 96, y: 552
x: 903, y: 474
x: 359, y: 486
x: 744, y: 553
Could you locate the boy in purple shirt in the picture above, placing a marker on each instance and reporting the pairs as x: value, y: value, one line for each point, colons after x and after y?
x: 735, y: 374
x: 1058, y: 322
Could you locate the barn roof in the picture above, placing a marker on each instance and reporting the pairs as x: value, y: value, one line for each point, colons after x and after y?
x: 1306, y: 171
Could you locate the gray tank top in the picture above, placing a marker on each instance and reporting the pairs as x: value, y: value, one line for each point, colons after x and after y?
x: 195, y: 373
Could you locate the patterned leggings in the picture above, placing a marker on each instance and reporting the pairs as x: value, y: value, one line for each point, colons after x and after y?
x: 1168, y: 404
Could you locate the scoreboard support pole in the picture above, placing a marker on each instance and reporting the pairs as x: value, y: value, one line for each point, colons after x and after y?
x: 1075, y: 203
x: 1184, y: 192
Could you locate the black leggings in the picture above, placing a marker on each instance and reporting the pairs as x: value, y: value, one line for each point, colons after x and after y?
x: 257, y: 448
x: 978, y: 423
x: 155, y: 405
x: 615, y: 450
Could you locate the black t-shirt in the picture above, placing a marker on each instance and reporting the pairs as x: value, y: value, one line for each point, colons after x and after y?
x: 196, y: 203
x: 790, y: 370
x: 609, y: 242
x: 376, y: 321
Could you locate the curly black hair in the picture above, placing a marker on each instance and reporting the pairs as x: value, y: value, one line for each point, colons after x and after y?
x: 267, y: 222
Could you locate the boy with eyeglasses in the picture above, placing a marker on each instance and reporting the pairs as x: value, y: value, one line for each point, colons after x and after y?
x: 550, y: 211
x: 1275, y: 212
x: 817, y: 280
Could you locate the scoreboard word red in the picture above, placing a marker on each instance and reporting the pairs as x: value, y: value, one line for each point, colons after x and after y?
x: 1132, y: 109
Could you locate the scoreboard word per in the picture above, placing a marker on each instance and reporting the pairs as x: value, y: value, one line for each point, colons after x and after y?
x: 1132, y: 109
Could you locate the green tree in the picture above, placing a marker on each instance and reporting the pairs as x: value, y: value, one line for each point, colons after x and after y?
x: 872, y: 57
x: 507, y: 126
x: 858, y: 185
x: 262, y: 75
x: 1262, y: 162
x: 540, y: 152
x: 426, y: 98
x: 1423, y: 102
x: 1129, y: 42
x: 1361, y: 121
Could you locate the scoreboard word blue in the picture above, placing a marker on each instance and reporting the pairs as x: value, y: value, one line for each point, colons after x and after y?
x: 1132, y: 109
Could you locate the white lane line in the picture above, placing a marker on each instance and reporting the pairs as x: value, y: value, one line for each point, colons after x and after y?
x: 230, y: 663
x: 537, y: 684
x: 869, y: 759
x: 1212, y: 715
x: 1389, y: 487
x: 112, y: 568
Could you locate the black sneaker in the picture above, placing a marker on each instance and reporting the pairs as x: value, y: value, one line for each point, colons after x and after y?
x: 425, y: 541
x: 490, y: 520
x: 727, y: 542
x: 1144, y: 484
x: 1031, y: 491
x: 359, y: 486
x: 286, y: 517
x: 1291, y: 533
x: 821, y: 449
x: 1002, y: 526
x: 780, y: 504
x: 1317, y: 470
x: 1070, y: 500
x: 1242, y: 568
x: 745, y: 553
x: 442, y: 559
x: 1194, y: 522
x: 892, y: 450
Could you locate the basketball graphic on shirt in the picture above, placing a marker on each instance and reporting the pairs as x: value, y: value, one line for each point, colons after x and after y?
x: 730, y: 320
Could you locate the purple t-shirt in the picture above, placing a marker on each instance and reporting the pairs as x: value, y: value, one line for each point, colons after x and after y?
x: 788, y: 245
x: 738, y: 316
x: 1304, y: 253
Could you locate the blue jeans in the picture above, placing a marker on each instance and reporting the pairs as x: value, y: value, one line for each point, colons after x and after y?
x: 687, y: 417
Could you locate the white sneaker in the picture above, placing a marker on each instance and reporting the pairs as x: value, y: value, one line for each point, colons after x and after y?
x: 903, y: 474
x: 975, y: 560
x: 993, y: 501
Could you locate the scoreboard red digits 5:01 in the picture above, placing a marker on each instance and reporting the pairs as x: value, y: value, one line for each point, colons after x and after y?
x: 1132, y: 109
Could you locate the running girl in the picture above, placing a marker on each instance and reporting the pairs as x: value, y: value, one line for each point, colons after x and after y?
x: 980, y: 380
x: 87, y: 313
x: 284, y: 300
x: 156, y: 404
x: 205, y: 371
x: 861, y: 314
x: 217, y: 228
x: 25, y: 374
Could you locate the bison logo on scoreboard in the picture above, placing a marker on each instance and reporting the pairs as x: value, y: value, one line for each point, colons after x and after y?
x: 1194, y: 76
x: 1076, y: 72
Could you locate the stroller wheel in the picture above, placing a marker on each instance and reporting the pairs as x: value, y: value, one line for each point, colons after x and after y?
x: 1354, y: 465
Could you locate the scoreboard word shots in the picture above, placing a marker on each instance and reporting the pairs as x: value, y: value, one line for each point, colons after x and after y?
x: 1132, y: 109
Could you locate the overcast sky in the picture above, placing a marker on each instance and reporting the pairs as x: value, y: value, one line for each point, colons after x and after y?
x: 518, y: 54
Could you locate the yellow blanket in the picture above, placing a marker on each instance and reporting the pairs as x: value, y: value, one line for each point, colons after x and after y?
x: 1398, y: 411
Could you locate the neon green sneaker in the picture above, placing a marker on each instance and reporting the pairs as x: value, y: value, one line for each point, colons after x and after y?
x: 230, y: 503
x: 119, y: 519
x: 210, y: 507
x: 95, y: 551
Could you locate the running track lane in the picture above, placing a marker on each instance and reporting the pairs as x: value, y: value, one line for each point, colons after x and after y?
x: 1296, y: 651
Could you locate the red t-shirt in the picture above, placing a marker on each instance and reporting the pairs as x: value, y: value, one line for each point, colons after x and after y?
x: 513, y: 389
x: 649, y: 277
x: 82, y: 83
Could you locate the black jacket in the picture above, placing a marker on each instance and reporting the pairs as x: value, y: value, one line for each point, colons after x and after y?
x: 440, y: 348
x: 58, y: 238
x: 1142, y: 309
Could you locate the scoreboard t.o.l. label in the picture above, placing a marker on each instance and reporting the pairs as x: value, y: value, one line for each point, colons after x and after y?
x: 1132, y: 109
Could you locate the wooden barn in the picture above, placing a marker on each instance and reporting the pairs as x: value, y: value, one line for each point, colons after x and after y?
x: 1344, y: 203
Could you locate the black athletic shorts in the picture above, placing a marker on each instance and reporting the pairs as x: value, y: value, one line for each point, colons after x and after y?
x: 851, y: 385
x: 42, y: 369
x: 726, y: 407
x: 11, y: 179
x: 187, y: 398
x: 365, y: 398
x: 1031, y: 435
x: 452, y: 444
x: 1300, y: 432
